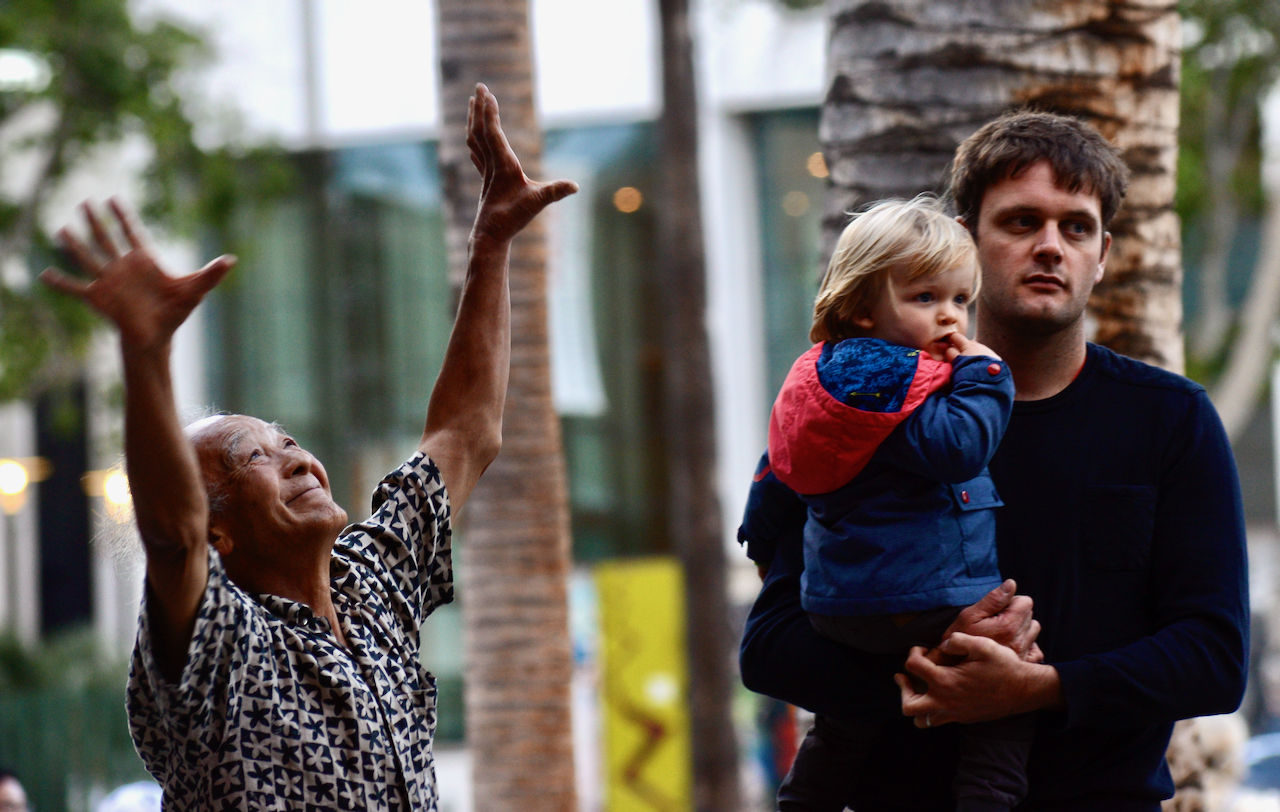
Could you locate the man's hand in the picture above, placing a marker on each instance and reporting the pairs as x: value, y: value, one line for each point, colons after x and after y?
x: 146, y: 304
x: 508, y: 198
x: 967, y: 346
x: 1004, y: 617
x: 987, y: 667
x: 990, y: 682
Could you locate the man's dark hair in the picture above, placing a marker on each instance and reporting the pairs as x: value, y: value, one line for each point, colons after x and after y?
x: 1079, y: 156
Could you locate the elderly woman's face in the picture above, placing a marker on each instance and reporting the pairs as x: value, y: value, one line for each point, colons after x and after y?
x: 276, y: 491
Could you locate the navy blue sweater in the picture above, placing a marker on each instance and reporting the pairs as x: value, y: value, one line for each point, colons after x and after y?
x: 1122, y: 520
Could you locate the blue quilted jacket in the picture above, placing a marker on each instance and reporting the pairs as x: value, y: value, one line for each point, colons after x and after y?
x: 889, y: 450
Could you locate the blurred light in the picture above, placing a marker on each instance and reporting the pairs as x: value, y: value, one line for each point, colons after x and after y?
x: 23, y: 70
x: 112, y: 486
x: 661, y: 689
x: 13, y: 477
x: 795, y: 203
x: 115, y: 488
x: 817, y: 165
x: 13, y: 486
x: 627, y: 199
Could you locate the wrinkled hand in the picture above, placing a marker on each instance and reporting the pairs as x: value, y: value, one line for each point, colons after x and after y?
x: 508, y: 198
x: 960, y: 345
x: 130, y: 289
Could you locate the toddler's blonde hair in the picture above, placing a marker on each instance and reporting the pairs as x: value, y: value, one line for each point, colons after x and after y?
x: 916, y: 234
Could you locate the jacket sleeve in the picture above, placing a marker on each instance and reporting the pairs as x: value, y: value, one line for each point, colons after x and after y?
x: 784, y: 657
x: 773, y: 512
x: 1195, y: 663
x: 953, y: 434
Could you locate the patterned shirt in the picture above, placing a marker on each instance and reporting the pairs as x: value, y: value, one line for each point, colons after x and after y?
x: 271, y: 713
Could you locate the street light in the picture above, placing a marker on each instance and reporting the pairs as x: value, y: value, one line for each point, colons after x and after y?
x: 112, y: 487
x: 15, y: 476
x: 13, y: 486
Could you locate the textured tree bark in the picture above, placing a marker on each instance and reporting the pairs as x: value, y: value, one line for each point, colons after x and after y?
x: 908, y: 80
x: 689, y: 423
x: 516, y: 549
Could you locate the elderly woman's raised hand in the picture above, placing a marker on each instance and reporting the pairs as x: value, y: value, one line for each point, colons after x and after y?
x: 508, y: 199
x: 129, y: 287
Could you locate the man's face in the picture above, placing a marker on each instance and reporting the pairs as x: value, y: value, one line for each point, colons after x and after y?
x: 276, y: 491
x: 1042, y: 249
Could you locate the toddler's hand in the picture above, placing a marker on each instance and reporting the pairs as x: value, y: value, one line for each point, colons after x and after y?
x: 964, y: 346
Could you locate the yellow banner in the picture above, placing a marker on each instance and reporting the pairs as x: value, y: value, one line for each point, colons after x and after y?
x: 644, y: 684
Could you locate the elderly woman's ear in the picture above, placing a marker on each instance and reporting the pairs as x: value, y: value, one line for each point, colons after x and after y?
x: 221, y: 541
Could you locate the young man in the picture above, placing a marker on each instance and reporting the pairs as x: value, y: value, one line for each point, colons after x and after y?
x: 277, y: 662
x: 1122, y: 520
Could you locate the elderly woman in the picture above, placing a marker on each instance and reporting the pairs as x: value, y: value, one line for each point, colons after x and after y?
x: 276, y: 665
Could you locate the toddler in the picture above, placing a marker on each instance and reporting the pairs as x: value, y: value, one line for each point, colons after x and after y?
x: 884, y: 429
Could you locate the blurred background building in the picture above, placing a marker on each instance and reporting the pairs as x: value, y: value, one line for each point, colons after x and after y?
x: 336, y: 319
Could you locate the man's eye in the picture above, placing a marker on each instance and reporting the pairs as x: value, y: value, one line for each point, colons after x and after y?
x: 254, y: 454
x: 1078, y: 229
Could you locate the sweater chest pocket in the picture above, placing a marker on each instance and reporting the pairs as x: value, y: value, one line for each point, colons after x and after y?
x: 974, y: 502
x: 1118, y: 525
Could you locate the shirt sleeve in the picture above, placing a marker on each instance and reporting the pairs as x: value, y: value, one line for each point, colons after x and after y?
x: 406, y: 543
x: 1194, y: 664
x: 175, y: 726
x: 953, y: 434
x: 784, y: 657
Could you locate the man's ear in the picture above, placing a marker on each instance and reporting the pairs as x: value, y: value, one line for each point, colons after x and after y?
x: 1102, y: 260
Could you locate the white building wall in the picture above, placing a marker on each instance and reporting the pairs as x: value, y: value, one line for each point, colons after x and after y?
x: 19, y: 533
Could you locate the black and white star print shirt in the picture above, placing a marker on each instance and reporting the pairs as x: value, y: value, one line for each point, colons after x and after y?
x: 272, y: 714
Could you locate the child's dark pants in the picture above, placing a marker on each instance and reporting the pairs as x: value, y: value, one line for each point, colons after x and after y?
x: 991, y: 774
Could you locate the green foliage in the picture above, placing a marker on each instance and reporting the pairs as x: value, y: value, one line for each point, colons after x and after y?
x: 1231, y: 59
x: 71, y: 660
x: 799, y: 5
x: 104, y: 78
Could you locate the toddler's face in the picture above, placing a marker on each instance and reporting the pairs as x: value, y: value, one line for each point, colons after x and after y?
x: 923, y: 312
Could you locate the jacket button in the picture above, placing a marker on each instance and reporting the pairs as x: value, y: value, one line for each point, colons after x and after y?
x: 994, y: 369
x: 964, y: 497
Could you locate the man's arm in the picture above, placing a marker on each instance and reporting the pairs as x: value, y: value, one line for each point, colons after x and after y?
x: 1194, y: 662
x: 169, y: 500
x: 464, y: 418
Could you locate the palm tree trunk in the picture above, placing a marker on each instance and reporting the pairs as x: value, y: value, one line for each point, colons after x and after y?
x: 516, y: 549
x: 689, y: 423
x: 909, y: 80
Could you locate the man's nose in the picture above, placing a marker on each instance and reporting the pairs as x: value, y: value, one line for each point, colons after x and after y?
x: 1048, y: 245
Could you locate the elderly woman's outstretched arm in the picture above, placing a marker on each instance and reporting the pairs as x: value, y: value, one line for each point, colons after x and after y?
x: 147, y: 306
x: 464, y: 419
